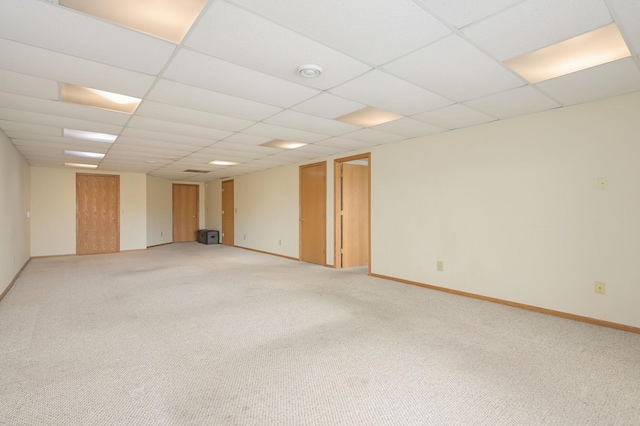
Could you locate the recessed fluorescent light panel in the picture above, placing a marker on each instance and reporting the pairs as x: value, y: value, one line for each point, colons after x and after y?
x: 84, y: 154
x: 223, y: 163
x: 578, y: 53
x: 167, y: 19
x: 279, y: 143
x: 369, y: 116
x: 98, y: 98
x: 81, y: 165
x: 89, y: 136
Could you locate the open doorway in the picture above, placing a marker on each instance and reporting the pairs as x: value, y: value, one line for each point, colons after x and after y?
x: 352, y: 211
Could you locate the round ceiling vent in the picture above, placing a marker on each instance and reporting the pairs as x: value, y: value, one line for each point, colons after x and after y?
x: 310, y: 71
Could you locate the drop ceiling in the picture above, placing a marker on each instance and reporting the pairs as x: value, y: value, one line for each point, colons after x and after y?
x: 231, y: 85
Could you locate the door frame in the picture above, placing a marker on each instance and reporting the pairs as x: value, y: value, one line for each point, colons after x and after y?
x: 233, y: 212
x: 337, y: 194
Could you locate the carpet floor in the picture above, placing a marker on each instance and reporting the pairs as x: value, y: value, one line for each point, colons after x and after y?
x: 192, y: 334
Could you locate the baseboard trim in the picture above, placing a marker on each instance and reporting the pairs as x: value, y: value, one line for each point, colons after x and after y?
x: 13, y: 281
x: 266, y: 252
x: 53, y: 255
x: 159, y: 245
x: 560, y: 314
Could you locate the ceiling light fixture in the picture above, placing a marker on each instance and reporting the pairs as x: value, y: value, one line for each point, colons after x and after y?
x: 84, y: 154
x: 575, y: 54
x: 89, y: 136
x: 368, y: 117
x: 279, y: 143
x: 223, y: 163
x: 167, y: 19
x: 98, y: 98
x: 310, y: 70
x: 81, y: 165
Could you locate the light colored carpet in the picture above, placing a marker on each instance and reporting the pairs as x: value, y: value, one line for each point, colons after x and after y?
x: 189, y: 334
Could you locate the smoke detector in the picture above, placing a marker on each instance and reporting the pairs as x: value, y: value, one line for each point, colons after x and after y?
x: 310, y: 70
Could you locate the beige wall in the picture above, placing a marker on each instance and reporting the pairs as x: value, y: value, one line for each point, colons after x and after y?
x: 213, y: 205
x: 53, y: 226
x: 14, y: 210
x: 159, y: 211
x: 513, y: 210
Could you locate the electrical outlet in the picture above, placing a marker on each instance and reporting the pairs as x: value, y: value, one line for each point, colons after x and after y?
x: 600, y: 287
x: 440, y: 265
x: 279, y: 242
x: 161, y: 234
x: 244, y: 237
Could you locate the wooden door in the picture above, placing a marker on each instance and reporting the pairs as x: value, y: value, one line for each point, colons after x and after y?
x: 185, y: 212
x: 355, y: 215
x: 228, y: 213
x: 313, y: 212
x: 97, y: 213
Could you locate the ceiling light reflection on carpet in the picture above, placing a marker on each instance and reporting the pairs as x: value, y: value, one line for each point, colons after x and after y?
x: 89, y: 136
x: 84, y: 154
x: 223, y: 163
x: 98, y: 98
x: 280, y: 143
x: 578, y: 53
x: 81, y: 165
x: 369, y: 116
x: 167, y: 19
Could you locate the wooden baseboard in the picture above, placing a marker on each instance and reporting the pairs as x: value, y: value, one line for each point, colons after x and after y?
x: 53, y: 255
x: 560, y: 314
x: 13, y: 281
x: 266, y: 252
x: 159, y: 245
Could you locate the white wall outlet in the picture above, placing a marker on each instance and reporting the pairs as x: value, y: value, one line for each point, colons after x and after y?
x: 161, y: 233
x: 279, y: 242
x: 244, y: 237
x: 603, y: 183
x: 600, y: 287
x: 440, y: 265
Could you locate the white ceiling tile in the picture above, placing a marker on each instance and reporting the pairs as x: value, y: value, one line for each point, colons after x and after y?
x: 63, y: 109
x: 612, y: 79
x: 196, y: 98
x: 532, y: 25
x: 455, y: 69
x: 60, y: 142
x: 191, y: 116
x: 243, y: 138
x: 27, y: 85
x: 374, y: 137
x: 461, y: 14
x: 278, y: 132
x: 293, y: 155
x: 63, y: 30
x: 146, y: 143
x: 321, y: 150
x: 210, y: 73
x: 55, y: 121
x: 455, y: 117
x: 24, y: 127
x: 298, y: 120
x: 627, y: 15
x: 390, y: 93
x: 409, y: 128
x: 343, y: 143
x: 150, y: 153
x: 213, y: 153
x: 177, y: 128
x: 519, y: 101
x: 375, y: 31
x: 165, y: 137
x: 268, y: 47
x: 18, y: 57
x: 235, y: 146
x: 328, y: 106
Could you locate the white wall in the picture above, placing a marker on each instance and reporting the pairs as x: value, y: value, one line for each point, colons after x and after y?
x: 513, y: 210
x: 213, y: 205
x: 53, y: 211
x: 267, y: 210
x: 14, y: 206
x: 159, y: 211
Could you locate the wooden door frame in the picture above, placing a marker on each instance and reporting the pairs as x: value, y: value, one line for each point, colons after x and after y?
x: 337, y: 192
x: 304, y: 166
x: 233, y: 212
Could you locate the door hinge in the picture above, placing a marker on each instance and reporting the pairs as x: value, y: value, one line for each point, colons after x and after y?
x: 341, y: 212
x: 341, y: 251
